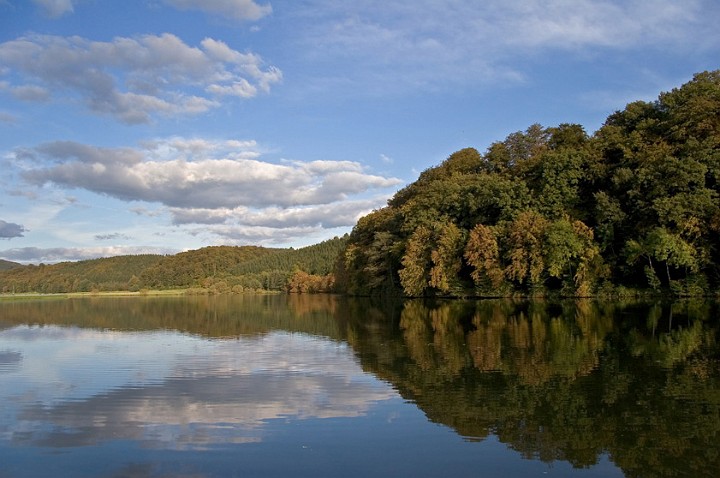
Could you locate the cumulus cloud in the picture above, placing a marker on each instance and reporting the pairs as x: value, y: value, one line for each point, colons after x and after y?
x: 9, y: 230
x: 197, y: 181
x: 134, y: 79
x: 266, y: 236
x: 235, y: 9
x: 342, y: 214
x: 60, y: 254
x: 223, y: 185
x: 327, y: 216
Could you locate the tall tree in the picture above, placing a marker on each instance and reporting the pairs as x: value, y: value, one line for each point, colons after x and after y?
x: 416, y: 262
x: 483, y: 255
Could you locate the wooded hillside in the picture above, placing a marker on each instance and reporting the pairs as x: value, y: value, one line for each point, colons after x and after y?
x: 555, y: 210
x: 216, y: 269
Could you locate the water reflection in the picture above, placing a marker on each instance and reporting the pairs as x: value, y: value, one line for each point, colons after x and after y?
x: 573, y: 381
x: 80, y: 387
x: 9, y: 360
x: 593, y: 385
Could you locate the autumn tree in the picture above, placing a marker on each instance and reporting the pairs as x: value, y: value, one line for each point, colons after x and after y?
x: 482, y: 253
x: 447, y: 258
x: 523, y: 241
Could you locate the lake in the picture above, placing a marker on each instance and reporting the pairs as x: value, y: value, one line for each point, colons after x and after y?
x: 321, y: 386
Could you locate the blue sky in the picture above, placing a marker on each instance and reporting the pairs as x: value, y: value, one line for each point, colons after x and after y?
x: 156, y: 126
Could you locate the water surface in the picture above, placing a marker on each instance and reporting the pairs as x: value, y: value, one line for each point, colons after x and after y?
x: 322, y: 386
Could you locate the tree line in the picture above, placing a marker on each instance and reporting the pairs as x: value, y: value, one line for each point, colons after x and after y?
x: 632, y: 208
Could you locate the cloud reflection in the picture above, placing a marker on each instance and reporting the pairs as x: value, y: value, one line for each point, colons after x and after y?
x: 213, y: 393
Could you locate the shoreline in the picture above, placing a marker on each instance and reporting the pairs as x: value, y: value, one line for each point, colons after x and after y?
x: 70, y: 295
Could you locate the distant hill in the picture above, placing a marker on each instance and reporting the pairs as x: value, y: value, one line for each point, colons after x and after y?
x: 7, y: 265
x: 112, y: 273
x: 223, y: 268
x: 190, y: 268
x: 215, y: 269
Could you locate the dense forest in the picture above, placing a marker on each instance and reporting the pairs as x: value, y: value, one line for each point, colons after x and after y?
x: 216, y: 269
x: 632, y: 208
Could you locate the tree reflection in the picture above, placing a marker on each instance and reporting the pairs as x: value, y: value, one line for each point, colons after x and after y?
x: 208, y: 316
x: 531, y: 343
x: 571, y: 381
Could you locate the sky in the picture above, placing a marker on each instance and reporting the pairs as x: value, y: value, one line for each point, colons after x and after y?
x: 158, y: 126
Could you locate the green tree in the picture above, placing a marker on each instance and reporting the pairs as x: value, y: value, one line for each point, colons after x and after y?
x: 569, y: 254
x: 666, y: 248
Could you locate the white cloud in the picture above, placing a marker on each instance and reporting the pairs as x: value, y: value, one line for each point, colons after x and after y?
x: 224, y: 185
x: 55, y: 8
x: 569, y: 25
x: 431, y: 44
x: 266, y: 236
x: 60, y: 254
x: 327, y: 216
x: 133, y: 79
x: 236, y: 9
x: 188, y: 149
x: 196, y: 181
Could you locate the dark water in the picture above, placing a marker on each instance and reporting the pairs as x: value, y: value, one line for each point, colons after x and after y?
x: 322, y: 386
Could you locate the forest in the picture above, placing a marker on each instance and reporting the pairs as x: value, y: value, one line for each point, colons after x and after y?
x: 214, y: 270
x: 631, y: 209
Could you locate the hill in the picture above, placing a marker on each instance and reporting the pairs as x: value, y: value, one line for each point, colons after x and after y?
x: 557, y: 211
x: 214, y: 269
x: 112, y: 273
x: 6, y: 265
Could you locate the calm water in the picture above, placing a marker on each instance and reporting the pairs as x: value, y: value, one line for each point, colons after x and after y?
x: 321, y: 386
